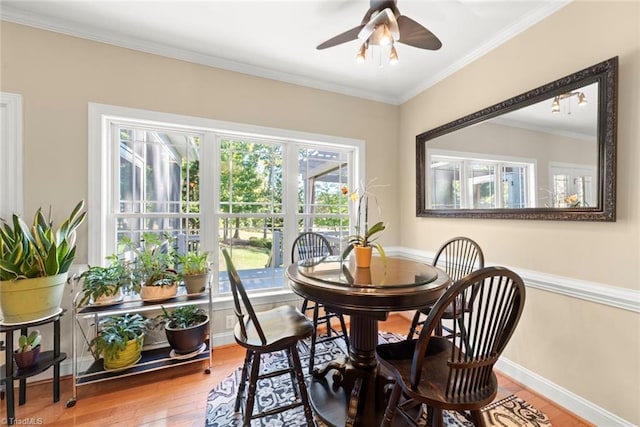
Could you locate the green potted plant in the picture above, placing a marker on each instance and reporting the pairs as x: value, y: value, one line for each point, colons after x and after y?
x: 154, y: 276
x: 34, y: 264
x: 119, y: 340
x: 186, y: 328
x: 195, y: 271
x: 28, y: 349
x: 365, y: 238
x: 105, y: 285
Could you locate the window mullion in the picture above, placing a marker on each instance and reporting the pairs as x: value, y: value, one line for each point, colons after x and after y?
x: 209, y: 200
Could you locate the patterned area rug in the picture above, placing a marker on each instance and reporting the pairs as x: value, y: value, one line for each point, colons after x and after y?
x: 509, y: 412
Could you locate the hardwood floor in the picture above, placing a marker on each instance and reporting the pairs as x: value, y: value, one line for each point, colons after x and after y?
x: 178, y: 396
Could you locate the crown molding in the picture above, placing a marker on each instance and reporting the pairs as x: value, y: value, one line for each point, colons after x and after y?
x: 11, y: 14
x: 545, y: 10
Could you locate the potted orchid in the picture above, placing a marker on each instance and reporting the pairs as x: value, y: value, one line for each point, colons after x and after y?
x: 364, y: 240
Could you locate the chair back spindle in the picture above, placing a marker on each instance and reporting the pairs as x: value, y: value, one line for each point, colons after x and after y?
x: 458, y: 257
x: 310, y: 245
x: 241, y: 300
x: 495, y: 296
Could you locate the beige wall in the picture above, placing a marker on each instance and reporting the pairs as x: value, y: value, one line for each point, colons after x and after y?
x: 590, y: 349
x: 58, y: 76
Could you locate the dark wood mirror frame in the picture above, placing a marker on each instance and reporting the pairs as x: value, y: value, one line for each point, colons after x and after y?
x: 606, y: 75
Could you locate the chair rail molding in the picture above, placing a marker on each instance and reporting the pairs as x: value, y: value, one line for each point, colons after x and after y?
x: 600, y: 293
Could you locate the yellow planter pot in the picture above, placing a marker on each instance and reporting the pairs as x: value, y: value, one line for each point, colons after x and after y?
x: 127, y: 357
x: 26, y: 300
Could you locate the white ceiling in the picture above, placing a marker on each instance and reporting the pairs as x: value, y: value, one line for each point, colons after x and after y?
x: 277, y: 39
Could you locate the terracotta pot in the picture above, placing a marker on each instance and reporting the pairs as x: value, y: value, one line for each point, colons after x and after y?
x: 103, y: 299
x: 27, y: 359
x: 363, y: 256
x: 156, y: 293
x: 26, y: 300
x: 196, y: 283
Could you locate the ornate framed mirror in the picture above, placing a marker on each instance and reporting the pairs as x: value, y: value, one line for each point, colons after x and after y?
x: 547, y: 154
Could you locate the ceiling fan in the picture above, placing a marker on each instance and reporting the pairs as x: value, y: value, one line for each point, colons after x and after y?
x: 383, y: 25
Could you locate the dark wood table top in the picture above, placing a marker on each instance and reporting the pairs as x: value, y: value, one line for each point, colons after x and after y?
x: 393, y: 284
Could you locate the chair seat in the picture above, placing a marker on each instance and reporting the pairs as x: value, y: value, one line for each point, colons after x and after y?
x: 449, y: 312
x: 282, y: 326
x: 435, y: 372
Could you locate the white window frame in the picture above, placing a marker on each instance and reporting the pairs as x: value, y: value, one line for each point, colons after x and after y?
x: 103, y: 181
x: 11, y: 167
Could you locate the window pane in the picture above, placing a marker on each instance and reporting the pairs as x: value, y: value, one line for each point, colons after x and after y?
x: 322, y: 207
x: 250, y: 177
x: 158, y: 183
x: 481, y: 178
x: 445, y: 184
x: 255, y: 245
x: 514, y: 187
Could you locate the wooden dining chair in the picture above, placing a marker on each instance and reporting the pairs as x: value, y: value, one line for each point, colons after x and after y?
x: 458, y: 257
x: 434, y: 371
x: 284, y: 327
x: 310, y: 245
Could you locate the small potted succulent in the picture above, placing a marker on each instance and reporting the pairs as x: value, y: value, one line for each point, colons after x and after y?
x: 186, y: 327
x: 28, y: 349
x: 154, y: 276
x: 119, y: 340
x: 105, y: 285
x: 195, y: 271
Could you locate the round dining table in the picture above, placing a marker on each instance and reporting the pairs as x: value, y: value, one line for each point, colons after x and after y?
x: 355, y: 392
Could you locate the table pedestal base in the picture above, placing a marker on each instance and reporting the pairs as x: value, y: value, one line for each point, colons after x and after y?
x: 342, y: 395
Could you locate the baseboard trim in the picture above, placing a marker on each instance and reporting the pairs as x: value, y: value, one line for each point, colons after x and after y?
x: 561, y: 396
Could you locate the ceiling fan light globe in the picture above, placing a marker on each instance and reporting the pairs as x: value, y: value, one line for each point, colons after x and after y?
x: 362, y: 54
x: 385, y: 36
x: 582, y: 99
x: 393, y: 56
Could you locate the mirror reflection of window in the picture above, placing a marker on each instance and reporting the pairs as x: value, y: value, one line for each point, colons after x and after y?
x: 464, y: 181
x: 573, y: 185
x: 481, y: 179
x: 445, y: 184
x: 514, y: 187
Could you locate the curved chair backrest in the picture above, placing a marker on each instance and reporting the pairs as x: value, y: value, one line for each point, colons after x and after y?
x: 310, y: 245
x: 242, y: 305
x: 458, y: 257
x: 488, y: 326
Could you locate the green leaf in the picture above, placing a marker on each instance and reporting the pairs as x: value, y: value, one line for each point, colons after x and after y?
x: 51, y: 264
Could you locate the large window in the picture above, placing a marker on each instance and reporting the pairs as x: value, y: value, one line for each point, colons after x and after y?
x: 205, y: 184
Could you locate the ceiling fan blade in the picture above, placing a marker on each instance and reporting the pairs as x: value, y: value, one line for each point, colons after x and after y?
x: 347, y: 36
x: 416, y: 35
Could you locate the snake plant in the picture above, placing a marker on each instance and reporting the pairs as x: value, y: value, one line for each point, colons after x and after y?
x: 40, y: 250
